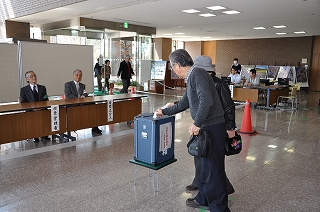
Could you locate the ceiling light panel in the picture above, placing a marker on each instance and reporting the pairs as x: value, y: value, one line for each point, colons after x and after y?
x: 299, y: 32
x: 281, y: 33
x: 279, y: 26
x: 207, y: 15
x: 257, y: 28
x: 231, y: 12
x: 191, y: 11
x: 217, y: 8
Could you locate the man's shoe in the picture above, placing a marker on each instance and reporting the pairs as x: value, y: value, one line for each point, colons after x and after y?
x: 96, y: 130
x: 192, y: 202
x: 36, y: 140
x: 46, y: 138
x: 230, y: 191
x: 191, y: 188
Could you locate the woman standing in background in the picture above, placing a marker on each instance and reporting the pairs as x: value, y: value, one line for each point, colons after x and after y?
x: 107, y: 72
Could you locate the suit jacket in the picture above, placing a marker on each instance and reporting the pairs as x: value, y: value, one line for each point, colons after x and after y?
x: 123, y: 70
x: 70, y: 90
x: 26, y: 94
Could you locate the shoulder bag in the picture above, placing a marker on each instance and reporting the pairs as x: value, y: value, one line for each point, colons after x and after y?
x: 198, y: 145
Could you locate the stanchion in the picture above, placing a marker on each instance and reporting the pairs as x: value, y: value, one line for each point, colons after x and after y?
x: 246, y: 126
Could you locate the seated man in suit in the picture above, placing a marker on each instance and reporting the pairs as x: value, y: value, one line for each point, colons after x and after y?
x: 33, y: 92
x: 76, y: 89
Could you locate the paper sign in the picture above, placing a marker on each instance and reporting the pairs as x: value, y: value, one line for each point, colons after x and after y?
x: 55, y: 121
x: 165, y: 136
x: 110, y: 110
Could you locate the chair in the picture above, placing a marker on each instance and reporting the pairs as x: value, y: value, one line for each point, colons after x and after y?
x: 282, y: 101
x: 297, y: 85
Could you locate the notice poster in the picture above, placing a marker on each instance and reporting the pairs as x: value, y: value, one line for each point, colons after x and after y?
x: 262, y: 71
x: 272, y: 72
x: 283, y: 72
x: 165, y: 136
x: 301, y: 75
x: 245, y: 71
x: 158, y: 70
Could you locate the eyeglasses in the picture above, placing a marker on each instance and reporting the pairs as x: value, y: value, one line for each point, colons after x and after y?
x: 173, y: 66
x: 32, y: 76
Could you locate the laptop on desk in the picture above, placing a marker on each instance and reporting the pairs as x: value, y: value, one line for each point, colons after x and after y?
x: 266, y: 82
x: 283, y: 81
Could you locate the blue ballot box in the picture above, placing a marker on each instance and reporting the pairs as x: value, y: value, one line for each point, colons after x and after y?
x: 153, y: 138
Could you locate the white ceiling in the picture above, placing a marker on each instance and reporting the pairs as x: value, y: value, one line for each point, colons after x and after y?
x: 167, y: 17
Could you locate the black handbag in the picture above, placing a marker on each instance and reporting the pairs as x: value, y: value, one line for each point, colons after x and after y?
x: 198, y: 145
x: 233, y: 145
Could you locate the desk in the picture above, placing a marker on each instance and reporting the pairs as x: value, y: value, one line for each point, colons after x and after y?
x: 272, y: 93
x: 243, y: 93
x: 22, y: 121
x: 97, y: 114
x: 252, y: 93
x: 19, y: 122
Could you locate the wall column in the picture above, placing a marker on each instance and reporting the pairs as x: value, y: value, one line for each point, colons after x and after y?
x: 162, y: 49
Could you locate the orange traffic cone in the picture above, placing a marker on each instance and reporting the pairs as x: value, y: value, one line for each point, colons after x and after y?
x: 246, y: 126
x: 133, y: 90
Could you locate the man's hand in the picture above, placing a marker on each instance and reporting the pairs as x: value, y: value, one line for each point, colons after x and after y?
x: 159, y: 113
x: 194, y: 130
x: 169, y: 104
x: 231, y: 133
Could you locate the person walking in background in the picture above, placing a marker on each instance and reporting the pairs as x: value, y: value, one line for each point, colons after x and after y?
x: 125, y: 71
x: 33, y: 92
x: 107, y: 72
x: 234, y: 76
x: 207, y: 113
x: 236, y: 66
x: 98, y: 74
x: 76, y: 89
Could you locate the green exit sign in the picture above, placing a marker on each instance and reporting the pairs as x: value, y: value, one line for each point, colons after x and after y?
x: 126, y: 25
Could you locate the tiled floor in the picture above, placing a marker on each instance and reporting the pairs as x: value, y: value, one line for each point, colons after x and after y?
x: 278, y: 169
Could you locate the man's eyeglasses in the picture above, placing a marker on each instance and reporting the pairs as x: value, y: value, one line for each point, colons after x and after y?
x: 173, y: 66
x: 32, y: 76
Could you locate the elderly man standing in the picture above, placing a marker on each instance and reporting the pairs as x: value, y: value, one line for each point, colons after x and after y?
x: 126, y: 71
x: 207, y: 113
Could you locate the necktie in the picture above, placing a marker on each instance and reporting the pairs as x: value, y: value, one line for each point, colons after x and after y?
x: 77, y: 86
x: 35, y: 94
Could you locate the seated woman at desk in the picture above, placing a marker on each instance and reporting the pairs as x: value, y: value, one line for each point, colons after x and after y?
x: 254, y: 80
x: 234, y: 76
